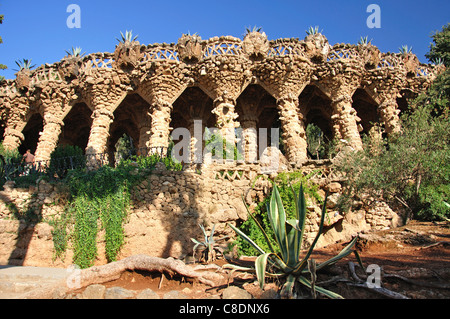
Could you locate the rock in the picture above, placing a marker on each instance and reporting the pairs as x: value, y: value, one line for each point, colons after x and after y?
x: 333, y: 187
x: 174, y: 294
x: 94, y: 292
x: 234, y: 292
x: 118, y: 293
x: 147, y: 294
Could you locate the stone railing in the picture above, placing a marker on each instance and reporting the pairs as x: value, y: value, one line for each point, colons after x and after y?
x: 46, y: 73
x: 97, y: 61
x: 390, y: 60
x: 223, y: 46
x: 226, y: 46
x: 283, y: 47
x: 343, y: 52
x: 7, y: 88
x: 160, y: 52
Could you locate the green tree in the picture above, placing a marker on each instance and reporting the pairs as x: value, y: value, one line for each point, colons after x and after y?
x: 440, y: 48
x: 2, y: 66
x: 438, y: 95
x: 411, y: 168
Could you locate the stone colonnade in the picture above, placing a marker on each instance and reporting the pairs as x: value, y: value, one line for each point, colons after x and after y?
x: 223, y: 70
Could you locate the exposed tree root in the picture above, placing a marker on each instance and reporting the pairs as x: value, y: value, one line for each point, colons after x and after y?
x: 363, y: 284
x: 113, y: 271
x: 434, y: 245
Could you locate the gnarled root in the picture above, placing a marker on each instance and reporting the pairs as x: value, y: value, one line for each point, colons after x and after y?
x: 113, y: 271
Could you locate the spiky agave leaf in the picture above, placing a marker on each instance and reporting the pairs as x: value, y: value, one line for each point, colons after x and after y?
x: 266, y: 237
x: 24, y: 64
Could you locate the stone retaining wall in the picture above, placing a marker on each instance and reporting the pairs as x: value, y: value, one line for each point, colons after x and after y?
x: 167, y: 208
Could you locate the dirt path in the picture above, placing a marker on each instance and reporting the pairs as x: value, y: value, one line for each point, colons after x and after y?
x: 414, y: 261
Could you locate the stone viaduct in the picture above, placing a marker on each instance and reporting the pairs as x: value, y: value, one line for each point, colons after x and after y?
x: 146, y: 91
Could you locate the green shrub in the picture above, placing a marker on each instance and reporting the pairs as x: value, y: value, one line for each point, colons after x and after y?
x: 65, y: 158
x: 411, y: 168
x: 286, y: 183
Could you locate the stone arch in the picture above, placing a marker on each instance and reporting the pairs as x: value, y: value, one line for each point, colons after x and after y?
x: 77, y: 125
x: 193, y: 105
x: 258, y: 113
x: 31, y: 133
x: 129, y: 117
x: 366, y: 110
x: 403, y: 100
x: 315, y: 107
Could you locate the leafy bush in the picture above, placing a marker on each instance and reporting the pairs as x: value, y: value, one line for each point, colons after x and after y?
x: 411, y: 168
x: 65, y: 158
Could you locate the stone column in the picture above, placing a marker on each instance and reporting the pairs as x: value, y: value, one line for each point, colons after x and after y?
x: 293, y: 129
x: 196, y: 129
x: 49, y: 137
x: 12, y: 138
x: 160, y: 128
x: 98, y: 138
x: 389, y: 112
x: 224, y: 109
x: 344, y: 121
x: 250, y: 139
x: 144, y: 135
x: 226, y: 119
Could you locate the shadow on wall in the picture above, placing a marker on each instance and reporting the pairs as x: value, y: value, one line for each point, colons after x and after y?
x: 28, y: 219
x: 166, y: 215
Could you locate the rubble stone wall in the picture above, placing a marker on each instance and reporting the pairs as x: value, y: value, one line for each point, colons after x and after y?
x: 167, y: 208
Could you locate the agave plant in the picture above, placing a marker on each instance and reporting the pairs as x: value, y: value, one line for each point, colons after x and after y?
x: 25, y: 64
x: 209, y: 252
x: 404, y: 49
x: 438, y: 61
x: 127, y: 37
x: 254, y: 29
x: 364, y: 41
x: 289, y: 233
x: 312, y: 30
x: 75, y: 52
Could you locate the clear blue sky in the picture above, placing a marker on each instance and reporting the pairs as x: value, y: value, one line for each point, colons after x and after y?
x: 37, y: 30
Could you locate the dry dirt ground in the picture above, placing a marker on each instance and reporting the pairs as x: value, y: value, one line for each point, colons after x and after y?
x: 414, y: 262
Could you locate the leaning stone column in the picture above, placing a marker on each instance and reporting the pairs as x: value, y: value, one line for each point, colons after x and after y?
x: 196, y: 129
x: 160, y: 128
x: 250, y: 139
x: 344, y: 121
x: 49, y: 137
x: 98, y: 138
x: 12, y: 138
x: 389, y: 111
x: 293, y: 129
x: 226, y: 119
x: 144, y: 135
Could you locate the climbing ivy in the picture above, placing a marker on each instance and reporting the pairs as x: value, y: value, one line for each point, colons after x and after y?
x: 99, y: 201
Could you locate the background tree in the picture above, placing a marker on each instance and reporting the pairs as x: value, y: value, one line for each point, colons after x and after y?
x: 2, y: 66
x: 411, y: 168
x: 438, y: 96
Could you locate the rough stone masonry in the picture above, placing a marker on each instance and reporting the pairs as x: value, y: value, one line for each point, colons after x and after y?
x: 147, y: 91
